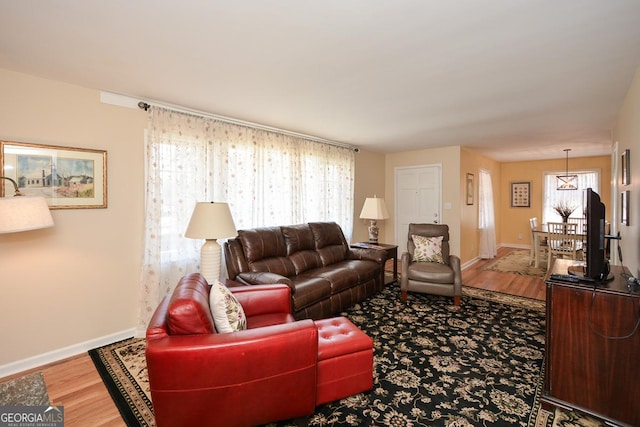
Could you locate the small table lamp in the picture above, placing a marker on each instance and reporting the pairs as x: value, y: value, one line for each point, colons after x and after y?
x: 374, y: 209
x: 23, y: 213
x: 210, y: 221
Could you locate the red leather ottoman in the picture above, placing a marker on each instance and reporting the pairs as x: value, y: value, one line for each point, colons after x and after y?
x: 345, y: 360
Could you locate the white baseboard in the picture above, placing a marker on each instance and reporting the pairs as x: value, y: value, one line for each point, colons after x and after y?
x: 62, y: 353
x: 515, y: 246
x: 469, y: 263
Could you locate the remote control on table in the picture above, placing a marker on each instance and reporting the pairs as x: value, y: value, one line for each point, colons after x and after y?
x: 565, y: 278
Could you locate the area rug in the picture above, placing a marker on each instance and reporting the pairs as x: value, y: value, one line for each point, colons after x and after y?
x: 434, y: 365
x: 29, y: 390
x: 123, y: 369
x: 517, y: 262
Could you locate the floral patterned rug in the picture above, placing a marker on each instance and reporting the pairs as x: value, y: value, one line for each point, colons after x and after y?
x: 517, y: 262
x: 479, y: 364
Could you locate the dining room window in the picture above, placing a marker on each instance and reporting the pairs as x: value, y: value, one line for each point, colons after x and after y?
x: 574, y: 198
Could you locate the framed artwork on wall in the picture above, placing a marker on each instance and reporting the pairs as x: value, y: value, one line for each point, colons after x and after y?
x: 470, y: 189
x: 68, y: 178
x: 521, y: 194
x: 624, y: 207
x: 626, y: 167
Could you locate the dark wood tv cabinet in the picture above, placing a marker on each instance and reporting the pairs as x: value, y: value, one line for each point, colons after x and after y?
x: 593, y: 347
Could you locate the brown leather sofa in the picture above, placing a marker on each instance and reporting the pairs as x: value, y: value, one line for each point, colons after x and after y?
x: 325, y: 275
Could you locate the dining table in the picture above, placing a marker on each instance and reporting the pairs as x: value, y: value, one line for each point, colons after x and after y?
x: 541, y: 233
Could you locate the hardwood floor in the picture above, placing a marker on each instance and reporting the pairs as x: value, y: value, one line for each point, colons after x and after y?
x: 75, y: 383
x: 515, y: 284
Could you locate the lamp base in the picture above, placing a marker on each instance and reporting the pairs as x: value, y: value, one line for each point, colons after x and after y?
x: 373, y: 231
x: 210, y: 261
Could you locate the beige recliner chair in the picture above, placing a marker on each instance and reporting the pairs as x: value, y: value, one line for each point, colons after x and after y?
x: 440, y: 274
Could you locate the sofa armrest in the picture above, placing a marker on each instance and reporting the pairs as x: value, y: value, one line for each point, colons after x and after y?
x: 190, y: 362
x: 263, y: 299
x: 262, y: 278
x: 377, y: 255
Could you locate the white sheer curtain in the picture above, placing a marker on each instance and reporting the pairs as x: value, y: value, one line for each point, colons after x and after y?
x: 267, y: 178
x: 486, y: 219
x: 575, y: 198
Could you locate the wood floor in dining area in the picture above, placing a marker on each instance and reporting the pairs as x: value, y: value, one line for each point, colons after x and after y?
x: 509, y: 283
x: 75, y: 383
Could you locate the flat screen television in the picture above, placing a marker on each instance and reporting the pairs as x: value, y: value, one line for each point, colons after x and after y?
x: 597, y: 266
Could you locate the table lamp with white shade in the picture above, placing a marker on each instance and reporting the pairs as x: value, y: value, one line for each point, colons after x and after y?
x: 23, y: 213
x: 373, y: 210
x: 210, y: 221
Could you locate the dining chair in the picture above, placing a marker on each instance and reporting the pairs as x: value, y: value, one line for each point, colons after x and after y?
x: 563, y: 241
x: 581, y: 228
x: 541, y: 244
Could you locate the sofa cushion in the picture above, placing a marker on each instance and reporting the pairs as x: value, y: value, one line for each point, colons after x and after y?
x: 188, y: 312
x: 340, y: 276
x: 330, y: 243
x: 298, y: 238
x: 365, y: 269
x: 301, y: 247
x: 260, y: 243
x: 428, y: 249
x: 228, y: 315
x: 278, y: 265
x: 309, y: 290
x: 431, y: 272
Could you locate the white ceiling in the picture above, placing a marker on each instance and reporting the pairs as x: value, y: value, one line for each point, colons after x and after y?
x: 513, y: 79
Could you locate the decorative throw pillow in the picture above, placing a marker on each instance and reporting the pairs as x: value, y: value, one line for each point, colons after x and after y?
x: 428, y: 249
x: 228, y: 315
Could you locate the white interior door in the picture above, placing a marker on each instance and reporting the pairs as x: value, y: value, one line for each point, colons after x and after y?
x: 418, y: 199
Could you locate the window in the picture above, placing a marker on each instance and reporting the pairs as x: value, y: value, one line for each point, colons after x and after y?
x: 267, y: 178
x: 574, y: 198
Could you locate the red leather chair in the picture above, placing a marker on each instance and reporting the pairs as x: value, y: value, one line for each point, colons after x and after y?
x: 199, y: 377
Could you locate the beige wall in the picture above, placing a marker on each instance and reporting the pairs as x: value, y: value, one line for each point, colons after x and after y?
x: 79, y: 280
x: 516, y: 223
x: 369, y: 182
x: 471, y: 162
x: 449, y: 158
x: 627, y: 134
x: 76, y: 285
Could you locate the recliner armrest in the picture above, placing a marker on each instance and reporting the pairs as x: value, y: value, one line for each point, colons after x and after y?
x: 262, y: 278
x: 454, y: 262
x: 263, y: 299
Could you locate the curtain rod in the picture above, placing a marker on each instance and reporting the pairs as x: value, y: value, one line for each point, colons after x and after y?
x: 145, y: 105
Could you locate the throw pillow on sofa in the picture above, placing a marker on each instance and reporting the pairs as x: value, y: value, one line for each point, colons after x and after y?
x: 228, y: 315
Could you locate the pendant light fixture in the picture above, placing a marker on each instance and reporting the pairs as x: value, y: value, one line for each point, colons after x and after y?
x: 567, y: 182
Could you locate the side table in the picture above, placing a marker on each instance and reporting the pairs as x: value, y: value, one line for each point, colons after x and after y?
x: 392, y: 253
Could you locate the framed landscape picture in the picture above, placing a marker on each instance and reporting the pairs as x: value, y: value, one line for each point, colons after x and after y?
x: 68, y: 178
x: 624, y: 207
x: 626, y: 167
x: 470, y: 189
x: 521, y: 194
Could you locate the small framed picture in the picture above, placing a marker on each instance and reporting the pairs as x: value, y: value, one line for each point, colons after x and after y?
x: 521, y: 194
x: 67, y: 177
x: 626, y: 167
x: 624, y: 207
x: 470, y: 188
